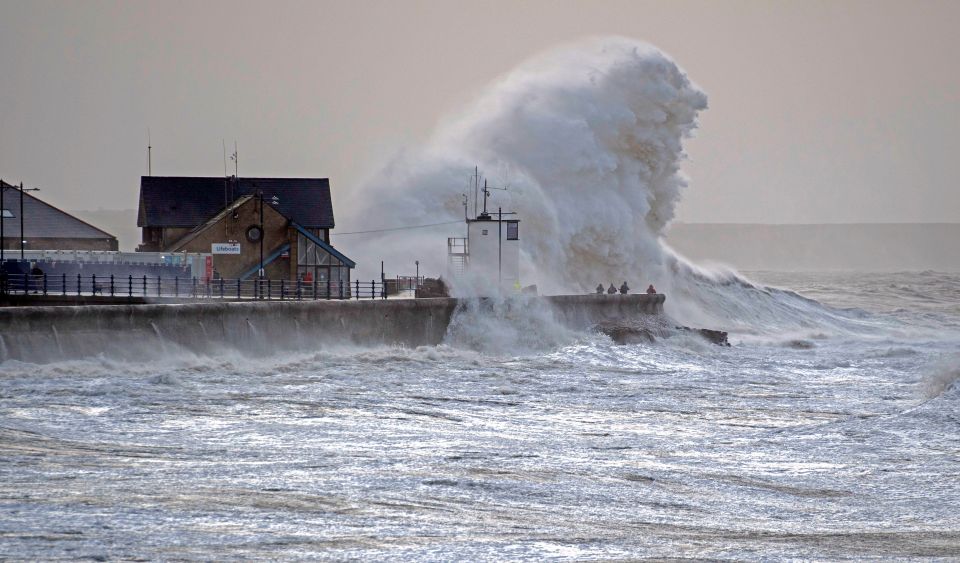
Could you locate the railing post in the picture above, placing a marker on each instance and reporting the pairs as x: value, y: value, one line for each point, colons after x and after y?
x: 176, y: 286
x: 63, y: 285
x: 26, y: 281
x: 159, y: 285
x: 44, y: 284
x: 269, y: 290
x: 78, y: 284
x: 282, y: 288
x: 328, y: 286
x: 340, y: 288
x: 238, y: 288
x: 93, y: 284
x: 357, y: 291
x: 130, y: 285
x: 221, y: 288
x: 313, y: 284
x: 111, y: 285
x: 144, y: 286
x: 299, y: 289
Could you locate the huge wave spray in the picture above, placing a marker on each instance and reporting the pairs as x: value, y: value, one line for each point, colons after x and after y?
x: 589, y: 139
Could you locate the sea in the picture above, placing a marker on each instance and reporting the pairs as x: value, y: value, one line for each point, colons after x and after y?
x: 833, y: 437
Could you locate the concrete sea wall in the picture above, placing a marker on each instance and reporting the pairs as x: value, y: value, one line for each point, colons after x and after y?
x: 137, y: 332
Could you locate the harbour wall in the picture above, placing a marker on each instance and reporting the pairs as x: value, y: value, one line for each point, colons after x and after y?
x: 138, y: 332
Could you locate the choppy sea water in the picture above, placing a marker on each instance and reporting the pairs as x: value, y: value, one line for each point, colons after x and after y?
x: 832, y: 441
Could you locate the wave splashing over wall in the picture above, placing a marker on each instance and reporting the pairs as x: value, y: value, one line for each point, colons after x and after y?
x: 589, y: 138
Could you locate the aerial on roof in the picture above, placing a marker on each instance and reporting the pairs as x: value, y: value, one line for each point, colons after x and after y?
x: 42, y: 220
x: 180, y: 201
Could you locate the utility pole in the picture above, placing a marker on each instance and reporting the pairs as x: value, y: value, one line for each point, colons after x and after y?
x: 262, y: 233
x: 22, y: 240
x: 21, y: 220
x: 3, y: 210
x: 499, y: 247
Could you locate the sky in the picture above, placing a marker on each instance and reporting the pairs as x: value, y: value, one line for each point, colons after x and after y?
x: 820, y: 112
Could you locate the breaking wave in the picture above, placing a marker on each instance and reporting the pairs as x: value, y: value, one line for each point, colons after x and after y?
x: 589, y: 138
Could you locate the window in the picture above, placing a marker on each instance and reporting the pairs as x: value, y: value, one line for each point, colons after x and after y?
x: 7, y: 213
x: 254, y: 233
x: 513, y: 230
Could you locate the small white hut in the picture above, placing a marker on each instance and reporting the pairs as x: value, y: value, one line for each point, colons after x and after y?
x: 489, y: 257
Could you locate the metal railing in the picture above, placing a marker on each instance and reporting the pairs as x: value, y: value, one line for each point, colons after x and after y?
x: 187, y: 288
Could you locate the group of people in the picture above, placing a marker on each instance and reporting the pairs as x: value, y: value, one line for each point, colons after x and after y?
x: 624, y: 289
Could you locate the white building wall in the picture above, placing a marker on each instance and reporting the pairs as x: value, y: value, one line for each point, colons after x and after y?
x: 493, y: 259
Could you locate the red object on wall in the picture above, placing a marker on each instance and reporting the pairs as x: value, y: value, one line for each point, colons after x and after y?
x: 208, y: 267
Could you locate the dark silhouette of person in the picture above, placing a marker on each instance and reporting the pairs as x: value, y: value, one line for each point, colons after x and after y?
x: 600, y: 289
x: 611, y: 290
x: 651, y: 290
x: 36, y: 279
x: 624, y: 289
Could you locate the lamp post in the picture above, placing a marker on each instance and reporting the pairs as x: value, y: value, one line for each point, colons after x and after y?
x: 3, y: 236
x: 416, y: 279
x: 260, y: 270
x: 3, y: 211
x: 22, y: 240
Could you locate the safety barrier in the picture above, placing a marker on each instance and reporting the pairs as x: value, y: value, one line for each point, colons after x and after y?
x: 188, y: 288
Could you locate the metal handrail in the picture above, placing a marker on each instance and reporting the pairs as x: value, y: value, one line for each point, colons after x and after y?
x: 147, y: 287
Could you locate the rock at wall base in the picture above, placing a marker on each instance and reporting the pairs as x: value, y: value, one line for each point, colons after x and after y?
x: 717, y: 337
x: 627, y: 334
x: 623, y: 331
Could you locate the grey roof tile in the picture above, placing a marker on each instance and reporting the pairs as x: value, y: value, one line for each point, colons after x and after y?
x: 182, y: 201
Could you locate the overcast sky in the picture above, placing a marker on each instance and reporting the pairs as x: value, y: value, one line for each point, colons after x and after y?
x: 819, y: 111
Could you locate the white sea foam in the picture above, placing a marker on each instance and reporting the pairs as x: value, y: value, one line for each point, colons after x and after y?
x: 941, y: 377
x: 589, y: 138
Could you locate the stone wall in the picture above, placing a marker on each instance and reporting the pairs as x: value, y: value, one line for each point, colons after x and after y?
x: 142, y: 332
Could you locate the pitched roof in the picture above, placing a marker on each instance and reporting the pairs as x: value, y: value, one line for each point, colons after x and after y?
x: 181, y: 201
x: 213, y: 221
x: 42, y: 220
x: 319, y: 242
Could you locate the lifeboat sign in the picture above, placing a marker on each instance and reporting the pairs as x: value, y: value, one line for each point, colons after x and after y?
x: 225, y: 248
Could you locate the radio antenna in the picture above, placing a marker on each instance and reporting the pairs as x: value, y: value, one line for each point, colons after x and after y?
x: 149, y: 154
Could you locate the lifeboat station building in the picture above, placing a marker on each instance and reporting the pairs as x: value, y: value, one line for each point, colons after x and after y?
x: 281, y: 224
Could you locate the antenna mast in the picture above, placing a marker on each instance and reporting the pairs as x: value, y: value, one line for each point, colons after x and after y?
x: 476, y: 188
x: 149, y: 154
x: 486, y: 194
